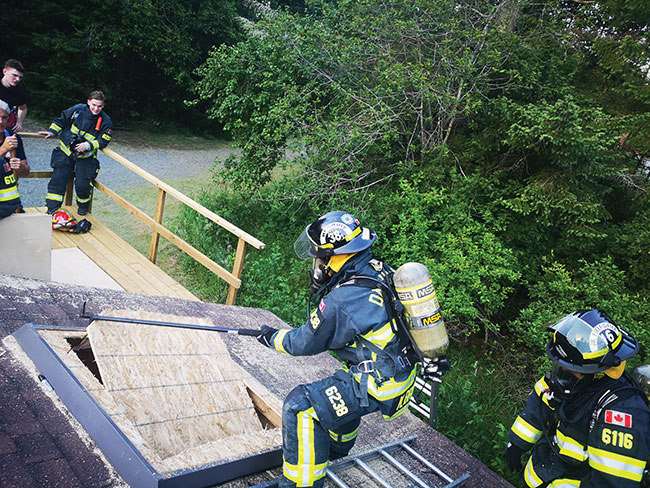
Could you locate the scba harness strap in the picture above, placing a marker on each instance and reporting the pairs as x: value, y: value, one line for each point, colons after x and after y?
x: 388, y: 364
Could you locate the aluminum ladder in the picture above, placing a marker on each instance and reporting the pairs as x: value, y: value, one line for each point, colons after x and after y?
x: 386, y: 453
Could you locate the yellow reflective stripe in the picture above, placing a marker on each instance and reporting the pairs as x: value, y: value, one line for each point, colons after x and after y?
x: 541, y: 388
x: 10, y: 193
x: 564, y: 483
x: 616, y: 464
x: 83, y: 200
x: 530, y: 476
x: 380, y: 337
x: 396, y: 414
x: 106, y: 136
x: 277, y: 340
x: 570, y: 447
x: 94, y: 144
x: 55, y: 127
x: 306, y: 472
x: 344, y: 437
x: 89, y: 154
x: 74, y: 129
x: 602, y: 352
x: 55, y: 197
x: 388, y: 389
x: 64, y: 148
x: 353, y: 234
x: 526, y: 431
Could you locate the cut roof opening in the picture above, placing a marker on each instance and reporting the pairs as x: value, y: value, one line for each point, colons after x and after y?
x: 176, y: 395
x: 81, y: 346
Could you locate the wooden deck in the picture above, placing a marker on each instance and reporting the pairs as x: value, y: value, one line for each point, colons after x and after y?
x: 130, y: 269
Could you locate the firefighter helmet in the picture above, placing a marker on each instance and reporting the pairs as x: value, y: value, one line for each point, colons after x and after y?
x: 335, y: 232
x: 588, y: 342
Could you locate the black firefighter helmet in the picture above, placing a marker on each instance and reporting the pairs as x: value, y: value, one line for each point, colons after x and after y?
x: 332, y: 234
x: 583, y: 344
x: 589, y: 342
x: 335, y: 232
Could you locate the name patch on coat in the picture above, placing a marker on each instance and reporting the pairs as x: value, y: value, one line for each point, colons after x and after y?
x: 618, y: 418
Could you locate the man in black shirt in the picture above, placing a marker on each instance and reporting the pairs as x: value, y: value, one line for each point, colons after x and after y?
x: 13, y: 95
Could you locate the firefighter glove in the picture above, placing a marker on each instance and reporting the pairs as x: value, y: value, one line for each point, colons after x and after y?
x: 266, y: 335
x: 82, y: 147
x: 512, y: 455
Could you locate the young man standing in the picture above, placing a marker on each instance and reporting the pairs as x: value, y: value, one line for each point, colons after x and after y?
x: 83, y: 129
x: 14, y: 95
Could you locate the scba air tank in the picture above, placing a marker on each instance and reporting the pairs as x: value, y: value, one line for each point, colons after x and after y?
x: 427, y: 327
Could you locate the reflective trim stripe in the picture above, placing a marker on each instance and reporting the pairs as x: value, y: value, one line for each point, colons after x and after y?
x: 344, y: 437
x: 64, y: 148
x: 380, y: 337
x: 277, y: 340
x: 396, y: 414
x: 55, y: 127
x: 564, y: 483
x: 605, y: 350
x: 570, y: 447
x: 10, y: 193
x: 542, y: 389
x: 388, y: 389
x: 106, y: 137
x: 616, y: 464
x: 55, y: 197
x: 83, y: 200
x: 530, y: 476
x: 306, y: 472
x: 94, y: 144
x: 526, y: 431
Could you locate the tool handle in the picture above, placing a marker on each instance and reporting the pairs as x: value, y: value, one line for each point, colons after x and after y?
x: 249, y: 332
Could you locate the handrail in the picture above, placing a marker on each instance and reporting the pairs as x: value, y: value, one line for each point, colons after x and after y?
x: 155, y: 223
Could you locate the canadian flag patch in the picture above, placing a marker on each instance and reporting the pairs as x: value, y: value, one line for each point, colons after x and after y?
x: 321, y: 306
x: 618, y: 418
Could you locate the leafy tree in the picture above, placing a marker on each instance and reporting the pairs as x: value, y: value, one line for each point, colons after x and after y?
x: 140, y: 53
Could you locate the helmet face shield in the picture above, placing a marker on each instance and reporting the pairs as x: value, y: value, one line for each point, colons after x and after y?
x: 589, y: 342
x: 335, y: 232
x: 304, y: 246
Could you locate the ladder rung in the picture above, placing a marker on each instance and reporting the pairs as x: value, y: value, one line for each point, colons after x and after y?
x: 403, y: 469
x: 372, y: 473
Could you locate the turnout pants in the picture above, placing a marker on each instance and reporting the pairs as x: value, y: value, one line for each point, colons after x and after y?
x: 86, y: 170
x: 320, y: 422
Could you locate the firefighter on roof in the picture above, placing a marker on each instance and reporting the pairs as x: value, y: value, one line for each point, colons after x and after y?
x: 83, y: 129
x: 320, y: 420
x: 586, y: 421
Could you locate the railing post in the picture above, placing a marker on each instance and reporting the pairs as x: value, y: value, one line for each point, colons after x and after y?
x: 68, y: 190
x: 155, y: 236
x: 236, y: 270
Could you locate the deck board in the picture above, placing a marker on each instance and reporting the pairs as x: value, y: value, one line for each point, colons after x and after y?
x: 130, y: 269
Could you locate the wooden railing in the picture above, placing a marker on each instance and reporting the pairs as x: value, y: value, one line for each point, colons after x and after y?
x: 158, y: 229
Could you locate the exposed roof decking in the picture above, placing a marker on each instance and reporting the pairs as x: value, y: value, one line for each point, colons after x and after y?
x: 130, y: 269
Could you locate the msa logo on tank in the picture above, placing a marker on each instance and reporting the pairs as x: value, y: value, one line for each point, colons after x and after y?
x: 335, y: 398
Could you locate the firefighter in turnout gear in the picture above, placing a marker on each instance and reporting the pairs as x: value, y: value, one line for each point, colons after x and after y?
x: 320, y: 420
x: 13, y: 164
x: 83, y: 129
x: 586, y: 421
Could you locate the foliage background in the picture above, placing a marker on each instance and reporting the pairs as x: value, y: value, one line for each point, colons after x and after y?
x: 504, y: 144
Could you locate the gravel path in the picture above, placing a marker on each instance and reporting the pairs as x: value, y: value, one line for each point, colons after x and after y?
x: 165, y: 164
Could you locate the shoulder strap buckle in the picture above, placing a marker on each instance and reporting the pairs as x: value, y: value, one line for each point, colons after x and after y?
x: 366, y: 367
